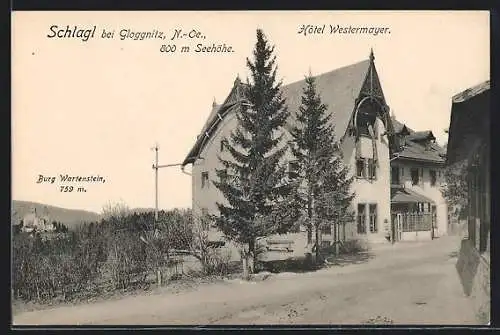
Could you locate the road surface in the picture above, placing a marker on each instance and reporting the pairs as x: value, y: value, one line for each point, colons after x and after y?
x: 409, y: 283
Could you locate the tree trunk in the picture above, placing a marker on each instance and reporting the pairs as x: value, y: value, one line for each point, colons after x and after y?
x: 335, y: 242
x: 309, y: 221
x: 317, y: 245
x: 244, y: 259
x: 253, y: 256
x: 337, y: 239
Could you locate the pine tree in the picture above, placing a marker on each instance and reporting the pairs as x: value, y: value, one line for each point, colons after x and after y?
x: 253, y: 180
x: 323, y: 181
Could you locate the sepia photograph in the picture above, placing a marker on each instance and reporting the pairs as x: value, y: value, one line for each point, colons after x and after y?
x: 203, y: 168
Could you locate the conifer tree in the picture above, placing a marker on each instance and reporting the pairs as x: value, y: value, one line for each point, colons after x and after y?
x: 322, y: 178
x: 253, y: 180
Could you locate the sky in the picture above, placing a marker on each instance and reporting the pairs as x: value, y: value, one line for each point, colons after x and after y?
x: 97, y: 107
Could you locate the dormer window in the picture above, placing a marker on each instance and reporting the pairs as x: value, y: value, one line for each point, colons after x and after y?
x: 402, y: 141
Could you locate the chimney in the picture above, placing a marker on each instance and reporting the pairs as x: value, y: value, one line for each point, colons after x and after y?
x: 214, y: 103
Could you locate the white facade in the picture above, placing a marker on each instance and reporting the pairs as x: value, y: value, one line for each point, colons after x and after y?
x: 426, y: 186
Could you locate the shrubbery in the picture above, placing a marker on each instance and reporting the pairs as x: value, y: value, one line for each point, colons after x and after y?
x: 120, y: 252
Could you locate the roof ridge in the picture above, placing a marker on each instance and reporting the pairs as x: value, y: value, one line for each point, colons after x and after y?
x: 328, y: 72
x: 471, y: 91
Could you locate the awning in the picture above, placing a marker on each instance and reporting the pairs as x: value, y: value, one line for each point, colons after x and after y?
x: 405, y: 195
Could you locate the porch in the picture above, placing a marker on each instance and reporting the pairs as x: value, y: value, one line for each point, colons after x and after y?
x: 413, y: 216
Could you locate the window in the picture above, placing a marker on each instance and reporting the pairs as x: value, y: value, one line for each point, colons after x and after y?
x: 402, y: 141
x: 222, y: 145
x: 326, y: 229
x: 372, y: 169
x: 432, y: 174
x: 373, y: 218
x: 360, y: 168
x: 395, y: 176
x: 361, y: 219
x: 204, y: 179
x: 415, y: 176
x: 293, y: 168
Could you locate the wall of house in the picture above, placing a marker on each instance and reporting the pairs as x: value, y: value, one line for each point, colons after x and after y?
x: 366, y: 191
x: 425, y: 188
x: 208, y: 196
x: 371, y: 191
x: 474, y: 272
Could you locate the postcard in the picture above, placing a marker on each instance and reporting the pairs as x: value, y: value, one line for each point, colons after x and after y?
x: 250, y: 168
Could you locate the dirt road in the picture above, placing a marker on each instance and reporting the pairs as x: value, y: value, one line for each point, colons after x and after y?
x: 412, y: 283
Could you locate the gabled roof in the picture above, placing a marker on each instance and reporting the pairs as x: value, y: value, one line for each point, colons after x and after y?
x: 471, y: 92
x: 406, y: 195
x: 421, y: 136
x: 339, y: 90
x: 414, y: 149
x: 211, y: 116
x: 400, y: 127
x: 469, y: 122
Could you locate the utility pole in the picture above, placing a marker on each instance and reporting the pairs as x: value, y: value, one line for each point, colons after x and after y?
x: 156, y: 167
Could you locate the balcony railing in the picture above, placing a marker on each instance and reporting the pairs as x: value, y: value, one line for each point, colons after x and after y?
x: 417, y: 221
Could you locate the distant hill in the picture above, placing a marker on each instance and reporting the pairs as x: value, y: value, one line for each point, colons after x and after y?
x: 69, y: 217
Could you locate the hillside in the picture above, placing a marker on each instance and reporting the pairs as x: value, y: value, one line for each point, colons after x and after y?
x: 69, y: 217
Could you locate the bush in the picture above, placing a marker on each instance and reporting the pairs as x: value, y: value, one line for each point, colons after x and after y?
x: 123, y: 250
x: 46, y: 268
x: 127, y: 260
x: 218, y: 262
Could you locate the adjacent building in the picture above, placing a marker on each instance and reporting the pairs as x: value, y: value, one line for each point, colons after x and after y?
x: 469, y: 142
x: 372, y: 143
x: 419, y: 210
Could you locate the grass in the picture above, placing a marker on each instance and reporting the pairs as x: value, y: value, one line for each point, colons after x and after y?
x: 180, y: 282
